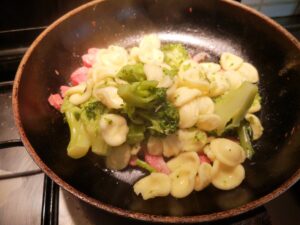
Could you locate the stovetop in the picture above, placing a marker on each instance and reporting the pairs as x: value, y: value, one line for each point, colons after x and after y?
x: 27, y: 196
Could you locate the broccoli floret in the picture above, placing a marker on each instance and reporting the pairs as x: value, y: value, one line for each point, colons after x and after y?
x: 163, y: 121
x: 174, y: 56
x: 142, y: 94
x: 132, y: 73
x: 83, y: 123
x: 90, y: 117
x: 135, y: 134
x: 79, y: 138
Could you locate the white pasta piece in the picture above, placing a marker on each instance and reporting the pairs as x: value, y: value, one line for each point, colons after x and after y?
x: 206, y: 104
x: 188, y: 114
x: 78, y: 89
x: 225, y: 177
x: 218, y: 84
x: 184, y: 95
x: 204, y: 176
x: 192, y: 139
x: 190, y: 75
x: 256, y: 105
x: 109, y: 97
x: 155, y: 72
x: 209, y: 68
x: 134, y: 55
x: 114, y: 129
x: 208, y: 122
x: 209, y: 153
x: 166, y: 82
x: 77, y: 98
x: 149, y: 50
x: 234, y: 79
x: 155, y: 146
x: 154, y: 56
x: 149, y: 42
x: 255, y: 124
x: 109, y: 62
x: 227, y: 152
x: 185, y: 159
x: 171, y: 145
x: 249, y: 72
x: 230, y: 61
x: 182, y: 182
x: 153, y: 185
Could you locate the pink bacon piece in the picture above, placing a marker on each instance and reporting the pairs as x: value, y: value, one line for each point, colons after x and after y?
x: 63, y: 90
x: 55, y: 100
x: 79, y: 75
x: 157, y: 162
x: 204, y: 159
x: 90, y: 58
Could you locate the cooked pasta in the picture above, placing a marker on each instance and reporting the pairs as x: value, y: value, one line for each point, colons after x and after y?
x: 156, y: 107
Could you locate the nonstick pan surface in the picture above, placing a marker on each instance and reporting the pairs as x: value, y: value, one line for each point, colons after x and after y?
x: 212, y: 26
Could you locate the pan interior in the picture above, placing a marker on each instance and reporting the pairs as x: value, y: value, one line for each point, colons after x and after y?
x: 212, y: 26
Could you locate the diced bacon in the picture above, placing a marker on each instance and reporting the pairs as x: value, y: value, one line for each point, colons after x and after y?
x: 90, y: 58
x: 201, y: 56
x: 55, y: 100
x: 132, y: 161
x: 63, y: 90
x: 93, y: 51
x: 204, y: 159
x: 158, y: 163
x: 79, y: 75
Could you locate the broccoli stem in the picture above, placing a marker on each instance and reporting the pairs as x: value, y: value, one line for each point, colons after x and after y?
x: 79, y: 139
x: 144, y: 165
x: 245, y: 140
x: 233, y: 107
x: 99, y: 146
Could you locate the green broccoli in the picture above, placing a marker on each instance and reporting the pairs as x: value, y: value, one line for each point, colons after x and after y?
x: 142, y: 94
x: 83, y: 123
x: 135, y: 134
x: 174, y: 56
x: 79, y: 138
x: 132, y: 73
x: 90, y: 116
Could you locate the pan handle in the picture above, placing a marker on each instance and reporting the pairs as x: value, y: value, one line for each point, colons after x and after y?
x: 50, y: 202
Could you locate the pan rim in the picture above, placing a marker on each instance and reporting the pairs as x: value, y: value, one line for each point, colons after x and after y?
x: 119, y: 211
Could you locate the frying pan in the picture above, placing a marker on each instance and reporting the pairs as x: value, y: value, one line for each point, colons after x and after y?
x: 212, y: 26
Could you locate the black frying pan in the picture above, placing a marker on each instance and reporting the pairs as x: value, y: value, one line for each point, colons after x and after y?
x: 213, y: 26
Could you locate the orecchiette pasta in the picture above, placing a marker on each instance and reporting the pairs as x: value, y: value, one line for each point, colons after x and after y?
x: 249, y: 72
x: 209, y: 153
x: 182, y: 182
x: 208, y: 122
x: 204, y: 176
x: 209, y: 68
x: 171, y: 145
x: 227, y: 152
x: 109, y: 97
x: 184, y: 95
x: 153, y: 185
x: 257, y: 128
x: 225, y: 177
x: 114, y: 129
x: 78, y: 98
x: 256, y: 105
x: 155, y: 146
x: 109, y: 61
x: 189, y: 159
x: 230, y: 61
x: 191, y: 75
x: 218, y: 84
x: 191, y: 139
x: 234, y: 79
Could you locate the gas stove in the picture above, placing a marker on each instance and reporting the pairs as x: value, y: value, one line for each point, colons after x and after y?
x: 27, y: 196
